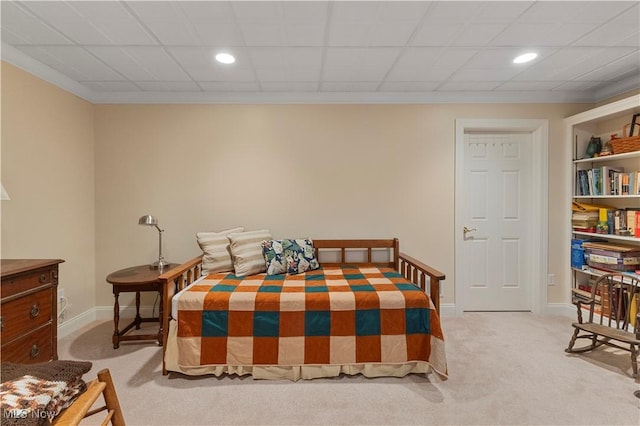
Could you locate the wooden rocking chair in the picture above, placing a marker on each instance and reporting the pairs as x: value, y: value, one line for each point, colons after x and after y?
x: 614, y: 316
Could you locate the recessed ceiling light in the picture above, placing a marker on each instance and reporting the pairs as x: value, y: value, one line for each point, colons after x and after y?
x: 525, y: 58
x: 225, y: 58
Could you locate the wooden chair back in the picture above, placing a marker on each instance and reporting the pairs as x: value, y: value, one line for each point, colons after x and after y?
x: 617, y: 295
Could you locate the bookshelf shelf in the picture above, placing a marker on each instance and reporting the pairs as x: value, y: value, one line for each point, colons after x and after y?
x: 634, y: 154
x: 605, y: 196
x: 611, y: 237
x: 604, y: 176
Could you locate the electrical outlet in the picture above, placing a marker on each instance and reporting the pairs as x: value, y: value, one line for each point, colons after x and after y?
x: 551, y: 279
x: 60, y: 295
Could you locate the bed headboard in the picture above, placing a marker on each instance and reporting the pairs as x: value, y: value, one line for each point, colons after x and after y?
x: 364, y: 252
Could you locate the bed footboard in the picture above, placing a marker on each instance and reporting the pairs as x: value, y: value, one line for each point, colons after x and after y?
x: 172, y: 282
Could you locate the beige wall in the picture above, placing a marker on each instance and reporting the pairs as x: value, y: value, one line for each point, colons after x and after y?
x: 48, y: 170
x: 344, y: 171
x: 299, y: 170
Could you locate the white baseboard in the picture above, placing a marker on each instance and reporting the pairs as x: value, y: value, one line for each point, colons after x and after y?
x: 561, y: 309
x: 447, y: 310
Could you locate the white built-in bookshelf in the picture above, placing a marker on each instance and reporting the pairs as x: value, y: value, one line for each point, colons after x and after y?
x: 601, y: 181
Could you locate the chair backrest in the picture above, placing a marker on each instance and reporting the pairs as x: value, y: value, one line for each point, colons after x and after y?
x: 616, y: 296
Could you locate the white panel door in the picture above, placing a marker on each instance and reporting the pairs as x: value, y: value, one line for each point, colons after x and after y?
x: 497, y: 217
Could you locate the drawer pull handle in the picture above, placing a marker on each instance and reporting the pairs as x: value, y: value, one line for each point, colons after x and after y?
x: 35, y: 351
x: 43, y: 278
x: 35, y: 310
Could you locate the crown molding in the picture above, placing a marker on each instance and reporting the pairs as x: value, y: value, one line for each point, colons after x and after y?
x: 15, y: 57
x: 339, y: 97
x: 45, y: 72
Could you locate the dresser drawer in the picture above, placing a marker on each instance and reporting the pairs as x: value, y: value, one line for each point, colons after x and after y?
x: 28, y: 280
x: 20, y: 316
x: 34, y: 347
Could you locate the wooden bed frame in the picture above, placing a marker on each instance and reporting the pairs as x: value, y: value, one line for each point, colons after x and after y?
x: 413, y: 270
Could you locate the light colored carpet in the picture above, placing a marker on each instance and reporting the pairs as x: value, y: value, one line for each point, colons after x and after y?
x: 504, y: 368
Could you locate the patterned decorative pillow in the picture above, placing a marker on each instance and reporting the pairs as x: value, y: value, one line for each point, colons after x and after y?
x: 292, y: 256
x: 246, y: 251
x: 216, y: 255
x: 274, y: 257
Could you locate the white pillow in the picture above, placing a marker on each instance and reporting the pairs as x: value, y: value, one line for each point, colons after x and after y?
x: 216, y: 255
x: 246, y: 251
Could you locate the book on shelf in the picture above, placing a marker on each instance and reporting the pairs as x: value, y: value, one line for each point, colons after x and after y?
x: 607, y: 180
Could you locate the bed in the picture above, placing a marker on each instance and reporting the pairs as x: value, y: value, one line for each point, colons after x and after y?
x: 368, y: 309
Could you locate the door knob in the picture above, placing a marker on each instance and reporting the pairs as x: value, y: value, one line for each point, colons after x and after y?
x: 465, y: 230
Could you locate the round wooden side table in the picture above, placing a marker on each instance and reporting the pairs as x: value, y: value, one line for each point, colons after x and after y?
x: 136, y: 279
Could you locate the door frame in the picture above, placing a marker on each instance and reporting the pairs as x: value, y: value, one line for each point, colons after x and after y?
x: 539, y: 166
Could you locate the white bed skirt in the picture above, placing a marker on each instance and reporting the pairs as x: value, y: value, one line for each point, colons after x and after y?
x: 291, y: 372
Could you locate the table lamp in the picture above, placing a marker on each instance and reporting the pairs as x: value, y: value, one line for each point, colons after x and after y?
x: 149, y: 220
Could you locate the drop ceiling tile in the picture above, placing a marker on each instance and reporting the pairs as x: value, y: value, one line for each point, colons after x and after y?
x: 310, y: 86
x: 483, y: 74
x: 158, y: 10
x: 168, y: 86
x: 369, y: 34
x: 615, y: 33
x: 102, y: 22
x: 349, y: 33
x: 111, y: 86
x: 355, y: 11
x: 471, y: 86
x: 408, y: 86
x: 124, y: 31
x: 68, y: 21
x: 478, y: 34
x: 73, y: 61
x: 262, y: 34
x: 25, y: 26
x: 408, y: 11
x: 223, y: 34
x: 305, y: 11
x: 528, y: 85
x: 579, y: 85
x: 349, y: 86
x: 229, y: 86
x: 541, y: 34
x: 573, y: 11
x: 428, y: 64
x: 121, y: 62
x: 257, y: 11
x: 200, y: 64
x: 613, y: 70
x: 304, y: 34
x: 358, y: 64
x: 179, y: 33
x: 437, y: 34
x: 287, y: 64
x: 142, y: 62
x: 453, y: 11
x: 497, y: 58
x: 501, y: 11
x: 218, y: 12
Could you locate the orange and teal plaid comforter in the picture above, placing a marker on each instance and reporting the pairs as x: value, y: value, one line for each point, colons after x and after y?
x: 330, y: 316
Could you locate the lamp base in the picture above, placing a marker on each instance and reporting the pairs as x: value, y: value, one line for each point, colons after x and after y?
x: 160, y: 264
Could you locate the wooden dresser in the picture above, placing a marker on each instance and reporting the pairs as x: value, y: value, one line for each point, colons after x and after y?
x: 29, y: 322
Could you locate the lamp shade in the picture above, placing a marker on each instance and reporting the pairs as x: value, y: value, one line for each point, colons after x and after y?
x: 148, y: 220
